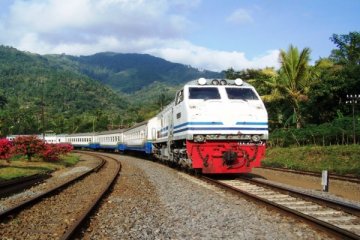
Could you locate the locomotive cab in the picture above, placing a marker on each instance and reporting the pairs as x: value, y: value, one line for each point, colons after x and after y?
x: 224, y: 124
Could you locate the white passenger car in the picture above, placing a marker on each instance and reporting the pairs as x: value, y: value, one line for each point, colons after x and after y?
x: 83, y: 140
x: 141, y: 136
x: 108, y: 139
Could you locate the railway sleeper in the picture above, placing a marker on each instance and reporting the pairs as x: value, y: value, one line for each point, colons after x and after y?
x: 324, y: 212
x: 335, y: 219
x: 289, y: 204
x: 305, y: 207
x: 350, y: 227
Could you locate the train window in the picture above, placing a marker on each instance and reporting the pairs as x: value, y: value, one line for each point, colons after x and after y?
x: 241, y: 93
x: 179, y: 97
x: 204, y: 93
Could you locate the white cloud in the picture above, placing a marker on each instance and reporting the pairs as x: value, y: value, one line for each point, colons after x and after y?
x: 215, y: 60
x: 240, y: 16
x: 84, y: 27
x: 81, y: 20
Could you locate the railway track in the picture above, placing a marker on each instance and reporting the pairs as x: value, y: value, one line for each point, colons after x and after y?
x: 342, y: 220
x: 353, y: 179
x: 13, y: 186
x: 58, y: 212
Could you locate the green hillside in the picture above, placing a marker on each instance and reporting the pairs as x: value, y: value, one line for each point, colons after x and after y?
x: 67, y: 94
x: 131, y: 72
x: 34, y: 87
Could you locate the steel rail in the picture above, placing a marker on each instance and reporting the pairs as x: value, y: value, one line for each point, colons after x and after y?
x: 334, y: 176
x: 77, y: 224
x: 20, y: 184
x: 337, y: 231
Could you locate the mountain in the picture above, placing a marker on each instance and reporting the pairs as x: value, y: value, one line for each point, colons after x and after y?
x: 132, y: 72
x: 67, y: 94
x: 33, y: 87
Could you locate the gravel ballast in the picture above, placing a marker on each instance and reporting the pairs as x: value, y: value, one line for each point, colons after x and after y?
x: 152, y: 201
x: 54, y: 215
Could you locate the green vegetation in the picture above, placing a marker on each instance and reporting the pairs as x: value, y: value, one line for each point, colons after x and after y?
x: 67, y: 94
x: 131, y: 72
x: 22, y: 168
x: 337, y: 132
x: 305, y: 97
x: 69, y: 160
x: 336, y: 159
x: 38, y: 94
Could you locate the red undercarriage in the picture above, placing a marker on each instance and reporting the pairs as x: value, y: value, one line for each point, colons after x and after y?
x: 218, y: 157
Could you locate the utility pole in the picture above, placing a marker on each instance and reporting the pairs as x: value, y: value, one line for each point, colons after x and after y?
x: 353, y: 99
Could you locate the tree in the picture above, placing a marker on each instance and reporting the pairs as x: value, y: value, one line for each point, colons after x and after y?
x: 28, y: 145
x: 348, y: 51
x: 324, y: 92
x: 347, y: 59
x: 293, y: 81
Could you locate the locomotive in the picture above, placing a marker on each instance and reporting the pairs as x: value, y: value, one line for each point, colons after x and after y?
x: 213, y: 126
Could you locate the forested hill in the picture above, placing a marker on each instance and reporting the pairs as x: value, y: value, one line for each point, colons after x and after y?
x: 86, y: 93
x: 33, y: 86
x: 132, y: 72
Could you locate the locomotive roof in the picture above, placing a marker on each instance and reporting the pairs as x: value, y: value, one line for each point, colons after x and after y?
x: 96, y: 133
x: 119, y: 130
x: 79, y: 134
x: 211, y: 81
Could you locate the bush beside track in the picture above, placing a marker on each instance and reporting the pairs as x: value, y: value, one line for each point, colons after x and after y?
x: 341, y: 159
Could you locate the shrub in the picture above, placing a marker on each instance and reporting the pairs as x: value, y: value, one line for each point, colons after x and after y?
x: 5, y: 149
x: 53, y: 151
x: 64, y: 148
x: 28, y: 146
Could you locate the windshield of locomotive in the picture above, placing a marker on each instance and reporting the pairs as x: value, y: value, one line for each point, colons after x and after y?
x: 241, y: 93
x: 204, y: 93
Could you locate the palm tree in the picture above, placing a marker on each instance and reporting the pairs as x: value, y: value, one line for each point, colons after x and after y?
x: 293, y: 81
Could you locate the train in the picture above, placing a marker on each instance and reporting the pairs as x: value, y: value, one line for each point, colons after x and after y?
x: 213, y: 126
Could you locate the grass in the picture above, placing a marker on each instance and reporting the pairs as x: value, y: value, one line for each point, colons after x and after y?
x: 20, y: 167
x: 343, y: 159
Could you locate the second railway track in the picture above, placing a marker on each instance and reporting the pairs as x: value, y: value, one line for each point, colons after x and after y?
x: 59, y: 214
x: 343, y: 220
x: 347, y: 178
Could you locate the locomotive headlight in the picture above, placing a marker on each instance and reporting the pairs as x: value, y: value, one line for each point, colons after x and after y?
x: 215, y: 82
x: 239, y: 81
x: 199, y: 138
x: 202, y: 81
x: 223, y: 82
x: 255, y: 138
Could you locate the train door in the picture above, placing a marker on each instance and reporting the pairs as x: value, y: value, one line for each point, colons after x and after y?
x: 178, y: 114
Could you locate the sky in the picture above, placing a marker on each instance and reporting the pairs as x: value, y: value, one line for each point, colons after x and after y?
x: 207, y: 34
